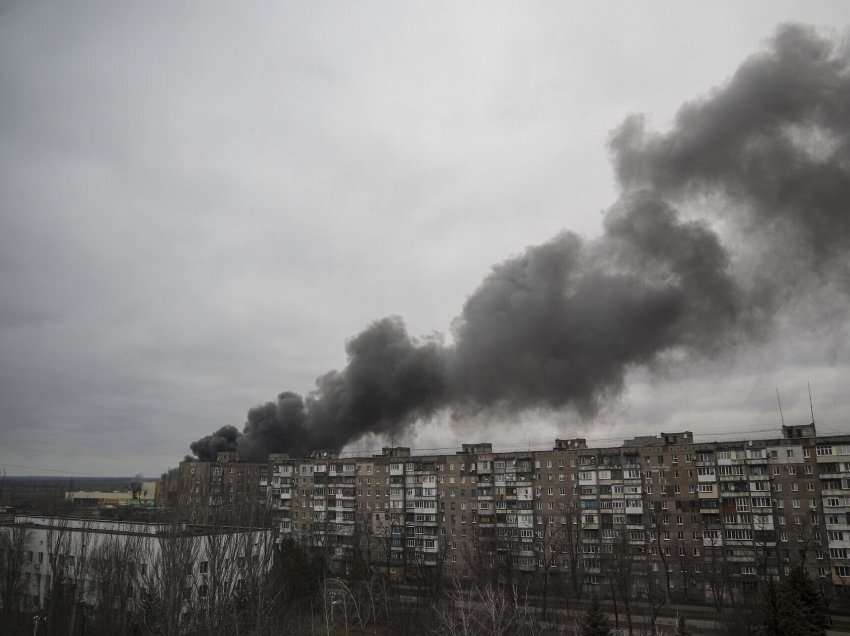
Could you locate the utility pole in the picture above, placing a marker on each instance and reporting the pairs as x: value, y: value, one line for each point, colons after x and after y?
x: 812, y: 408
x: 779, y: 403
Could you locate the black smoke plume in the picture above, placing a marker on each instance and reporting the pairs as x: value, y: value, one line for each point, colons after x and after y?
x: 765, y: 157
x: 224, y: 439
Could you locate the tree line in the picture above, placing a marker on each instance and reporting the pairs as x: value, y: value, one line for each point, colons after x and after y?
x: 224, y: 581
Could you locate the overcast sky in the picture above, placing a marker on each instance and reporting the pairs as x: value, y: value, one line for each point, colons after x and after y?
x: 199, y: 204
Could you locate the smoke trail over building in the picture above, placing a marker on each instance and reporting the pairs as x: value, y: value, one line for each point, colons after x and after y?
x: 765, y: 157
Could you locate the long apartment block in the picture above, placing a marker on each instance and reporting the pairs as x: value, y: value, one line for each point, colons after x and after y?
x: 694, y: 515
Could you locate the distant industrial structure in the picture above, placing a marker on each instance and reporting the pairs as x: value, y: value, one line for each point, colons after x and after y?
x: 142, y: 492
x: 77, y: 495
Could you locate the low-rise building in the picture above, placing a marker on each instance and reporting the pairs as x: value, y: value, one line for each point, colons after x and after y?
x: 141, y: 492
x: 94, y: 560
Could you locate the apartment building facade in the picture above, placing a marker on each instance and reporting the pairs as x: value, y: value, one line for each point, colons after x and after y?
x: 224, y: 490
x: 694, y: 519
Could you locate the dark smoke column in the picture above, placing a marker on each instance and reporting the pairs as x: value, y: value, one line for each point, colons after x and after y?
x: 767, y: 156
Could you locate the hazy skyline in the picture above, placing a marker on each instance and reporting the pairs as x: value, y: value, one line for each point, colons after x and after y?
x: 198, y: 207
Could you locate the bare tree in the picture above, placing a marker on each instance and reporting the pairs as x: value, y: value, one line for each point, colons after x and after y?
x: 167, y: 593
x: 60, y: 593
x: 115, y: 565
x: 571, y: 546
x: 14, y: 542
x: 255, y: 597
x: 215, y: 585
x: 548, y: 544
x: 716, y: 568
x: 79, y: 570
x: 456, y: 615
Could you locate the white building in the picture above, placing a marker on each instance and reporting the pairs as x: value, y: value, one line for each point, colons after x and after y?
x: 91, y: 555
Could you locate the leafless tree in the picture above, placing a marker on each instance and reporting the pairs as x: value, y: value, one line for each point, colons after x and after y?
x: 571, y: 546
x: 79, y: 572
x: 456, y: 615
x: 60, y: 593
x: 14, y: 542
x: 215, y: 585
x: 620, y: 574
x: 115, y: 565
x: 716, y: 568
x: 167, y: 592
x: 255, y: 548
x: 479, y: 609
x: 548, y: 544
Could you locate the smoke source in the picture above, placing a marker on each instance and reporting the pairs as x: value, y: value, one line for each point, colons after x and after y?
x: 767, y: 156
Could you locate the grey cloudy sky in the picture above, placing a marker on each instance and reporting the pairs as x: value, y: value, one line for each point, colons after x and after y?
x: 200, y: 202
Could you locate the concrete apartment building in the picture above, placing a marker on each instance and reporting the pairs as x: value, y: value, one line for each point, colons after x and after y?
x: 218, y: 491
x: 700, y: 518
x: 43, y: 549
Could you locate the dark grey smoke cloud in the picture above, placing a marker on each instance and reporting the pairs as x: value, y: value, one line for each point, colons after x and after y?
x: 767, y: 156
x: 224, y: 439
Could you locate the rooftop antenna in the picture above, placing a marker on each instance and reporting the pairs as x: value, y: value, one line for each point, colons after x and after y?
x: 812, y: 407
x: 779, y: 404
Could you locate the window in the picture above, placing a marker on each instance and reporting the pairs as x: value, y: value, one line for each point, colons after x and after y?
x: 204, y: 567
x: 738, y: 535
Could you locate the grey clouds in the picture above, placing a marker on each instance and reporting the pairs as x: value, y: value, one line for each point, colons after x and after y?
x: 199, y: 205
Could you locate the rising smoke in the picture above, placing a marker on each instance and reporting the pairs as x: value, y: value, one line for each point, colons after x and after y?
x: 766, y: 157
